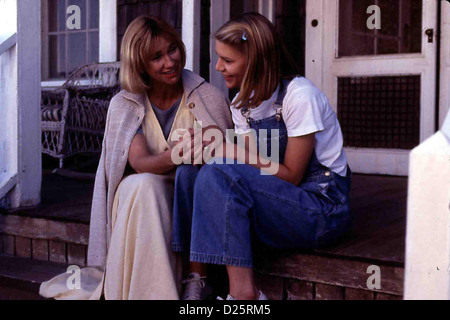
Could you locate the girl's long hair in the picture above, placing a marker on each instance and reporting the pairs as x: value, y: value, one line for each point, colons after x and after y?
x: 267, y: 57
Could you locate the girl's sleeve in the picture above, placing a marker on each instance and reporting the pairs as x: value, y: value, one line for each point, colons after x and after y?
x: 303, y: 111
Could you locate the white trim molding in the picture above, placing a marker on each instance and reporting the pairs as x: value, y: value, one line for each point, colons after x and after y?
x: 444, y: 97
x: 8, y: 43
x: 7, y: 182
x: 108, y: 31
x: 314, y: 42
x: 267, y: 9
x: 191, y: 33
x: 384, y: 161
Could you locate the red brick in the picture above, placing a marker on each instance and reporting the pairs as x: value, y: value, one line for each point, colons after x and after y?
x: 76, y: 254
x: 384, y: 296
x: 356, y: 294
x: 327, y: 292
x: 57, y: 251
x: 271, y: 286
x: 40, y: 249
x: 8, y: 244
x: 300, y: 290
x: 23, y: 247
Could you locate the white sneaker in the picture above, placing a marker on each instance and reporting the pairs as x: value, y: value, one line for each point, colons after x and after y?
x: 262, y: 296
x: 196, y: 288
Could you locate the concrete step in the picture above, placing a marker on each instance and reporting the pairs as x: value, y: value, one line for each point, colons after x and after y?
x: 20, y: 278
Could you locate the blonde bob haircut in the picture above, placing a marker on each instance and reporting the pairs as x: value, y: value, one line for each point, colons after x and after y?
x: 267, y: 57
x: 139, y: 41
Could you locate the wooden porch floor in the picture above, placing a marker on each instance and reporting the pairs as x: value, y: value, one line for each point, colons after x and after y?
x: 378, y: 202
x: 379, y: 229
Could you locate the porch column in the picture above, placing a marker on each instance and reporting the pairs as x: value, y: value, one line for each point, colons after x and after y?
x: 108, y: 31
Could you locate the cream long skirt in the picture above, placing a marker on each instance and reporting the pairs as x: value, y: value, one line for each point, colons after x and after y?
x: 140, y: 263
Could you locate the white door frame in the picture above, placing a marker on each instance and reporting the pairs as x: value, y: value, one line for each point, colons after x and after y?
x: 191, y: 33
x: 324, y: 68
x: 444, y: 98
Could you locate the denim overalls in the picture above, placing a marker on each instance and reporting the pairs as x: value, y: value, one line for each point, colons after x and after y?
x: 221, y: 209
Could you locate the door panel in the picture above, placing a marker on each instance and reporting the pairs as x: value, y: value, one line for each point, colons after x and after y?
x: 382, y: 89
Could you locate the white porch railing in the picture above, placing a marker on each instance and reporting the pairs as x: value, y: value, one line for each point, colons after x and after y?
x: 20, y: 72
x: 8, y: 43
x: 7, y: 179
x: 427, y: 269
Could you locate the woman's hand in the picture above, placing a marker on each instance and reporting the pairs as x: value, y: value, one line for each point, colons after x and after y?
x: 202, y: 145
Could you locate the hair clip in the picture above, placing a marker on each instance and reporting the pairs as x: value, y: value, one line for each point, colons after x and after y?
x: 244, y: 36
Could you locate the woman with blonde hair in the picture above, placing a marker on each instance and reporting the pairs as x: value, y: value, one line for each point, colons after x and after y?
x: 304, y: 203
x: 131, y: 218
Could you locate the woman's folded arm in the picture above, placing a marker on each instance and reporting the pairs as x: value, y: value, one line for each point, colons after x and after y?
x: 142, y: 161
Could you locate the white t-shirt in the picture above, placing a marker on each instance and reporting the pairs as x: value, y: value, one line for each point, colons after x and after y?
x: 306, y: 110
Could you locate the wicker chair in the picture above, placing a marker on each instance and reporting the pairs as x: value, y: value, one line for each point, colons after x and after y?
x: 74, y: 115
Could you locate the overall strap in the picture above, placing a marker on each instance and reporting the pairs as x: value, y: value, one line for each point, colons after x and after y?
x: 282, y: 92
x: 278, y: 105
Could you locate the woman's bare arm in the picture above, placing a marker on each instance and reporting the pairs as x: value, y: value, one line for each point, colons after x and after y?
x: 142, y: 161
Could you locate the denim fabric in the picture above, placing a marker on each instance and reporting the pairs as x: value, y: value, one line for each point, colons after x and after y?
x: 221, y: 209
x: 183, y: 206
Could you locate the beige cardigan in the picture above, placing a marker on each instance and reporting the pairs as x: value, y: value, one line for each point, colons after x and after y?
x: 125, y: 115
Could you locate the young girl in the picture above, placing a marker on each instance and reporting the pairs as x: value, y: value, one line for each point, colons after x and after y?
x: 305, y: 204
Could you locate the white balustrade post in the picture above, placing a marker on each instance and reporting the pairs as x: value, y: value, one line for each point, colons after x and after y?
x: 29, y: 163
x: 427, y: 269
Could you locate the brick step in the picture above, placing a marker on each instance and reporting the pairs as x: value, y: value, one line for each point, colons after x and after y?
x: 20, y: 278
x: 310, y: 275
x: 44, y: 239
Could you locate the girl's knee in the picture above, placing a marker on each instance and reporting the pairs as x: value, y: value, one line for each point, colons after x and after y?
x: 187, y: 172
